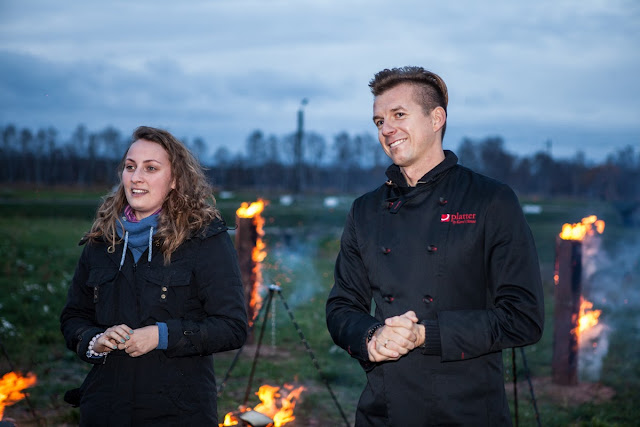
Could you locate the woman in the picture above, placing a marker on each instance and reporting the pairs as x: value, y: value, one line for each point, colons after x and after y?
x: 156, y: 292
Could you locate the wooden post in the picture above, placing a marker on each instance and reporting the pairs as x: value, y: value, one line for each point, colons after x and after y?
x: 568, y: 288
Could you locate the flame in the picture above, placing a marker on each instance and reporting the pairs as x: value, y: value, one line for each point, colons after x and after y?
x: 11, y: 386
x: 258, y: 254
x: 229, y: 420
x: 273, y: 405
x: 589, y: 226
x: 587, y: 318
x: 250, y: 211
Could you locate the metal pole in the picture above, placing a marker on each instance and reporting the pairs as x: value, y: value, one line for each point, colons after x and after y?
x: 298, y: 151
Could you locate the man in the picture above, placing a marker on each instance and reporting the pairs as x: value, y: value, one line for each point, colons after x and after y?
x: 450, y: 263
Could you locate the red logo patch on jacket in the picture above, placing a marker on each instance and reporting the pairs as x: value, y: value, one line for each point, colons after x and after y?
x: 458, y: 218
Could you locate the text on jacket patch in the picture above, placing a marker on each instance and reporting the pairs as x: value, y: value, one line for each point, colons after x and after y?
x: 458, y: 218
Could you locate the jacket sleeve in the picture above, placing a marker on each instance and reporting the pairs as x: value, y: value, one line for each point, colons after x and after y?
x: 349, y: 303
x: 223, y: 326
x: 77, y: 320
x: 515, y: 307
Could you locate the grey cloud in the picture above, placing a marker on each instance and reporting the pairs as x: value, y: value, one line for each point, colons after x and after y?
x: 221, y: 69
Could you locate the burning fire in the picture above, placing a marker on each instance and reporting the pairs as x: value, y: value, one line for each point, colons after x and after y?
x: 250, y: 211
x: 587, y: 318
x: 271, y: 399
x: 259, y: 253
x: 11, y: 386
x: 229, y: 420
x: 273, y: 405
x: 589, y: 226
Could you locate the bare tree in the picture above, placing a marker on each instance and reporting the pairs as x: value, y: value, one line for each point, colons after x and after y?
x: 40, y: 145
x: 113, y: 143
x: 199, y: 148
x: 468, y: 155
x: 78, y: 151
x: 9, y: 151
x: 26, y: 146
x: 353, y: 164
x: 255, y: 148
x: 343, y: 151
x: 496, y: 161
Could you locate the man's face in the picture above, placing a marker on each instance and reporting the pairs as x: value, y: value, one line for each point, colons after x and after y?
x: 407, y: 135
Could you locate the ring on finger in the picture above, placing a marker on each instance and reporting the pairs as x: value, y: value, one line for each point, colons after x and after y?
x: 385, y: 342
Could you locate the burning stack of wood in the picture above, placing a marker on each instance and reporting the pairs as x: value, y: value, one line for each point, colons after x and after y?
x: 275, y: 409
x: 572, y: 314
x: 251, y: 252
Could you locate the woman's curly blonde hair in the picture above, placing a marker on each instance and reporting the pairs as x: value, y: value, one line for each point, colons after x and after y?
x: 188, y: 208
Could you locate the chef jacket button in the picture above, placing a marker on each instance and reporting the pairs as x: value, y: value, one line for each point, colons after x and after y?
x: 164, y: 289
x: 163, y: 296
x: 442, y: 201
x: 432, y: 248
x: 428, y: 299
x: 385, y: 250
x: 388, y: 298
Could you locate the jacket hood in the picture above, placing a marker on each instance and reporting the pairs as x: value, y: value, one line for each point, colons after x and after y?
x: 216, y: 226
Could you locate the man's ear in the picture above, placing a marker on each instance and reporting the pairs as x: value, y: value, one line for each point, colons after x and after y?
x: 438, y: 118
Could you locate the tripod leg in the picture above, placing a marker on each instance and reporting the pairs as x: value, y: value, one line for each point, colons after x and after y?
x: 313, y: 357
x: 227, y: 375
x: 533, y: 396
x: 515, y: 383
x: 255, y: 357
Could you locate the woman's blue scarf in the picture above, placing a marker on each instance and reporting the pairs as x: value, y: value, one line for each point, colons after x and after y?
x: 138, y: 235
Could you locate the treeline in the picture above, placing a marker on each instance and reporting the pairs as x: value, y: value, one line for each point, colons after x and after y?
x: 307, y: 163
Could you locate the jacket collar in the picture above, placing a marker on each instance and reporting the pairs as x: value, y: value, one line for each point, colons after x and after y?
x: 396, y: 178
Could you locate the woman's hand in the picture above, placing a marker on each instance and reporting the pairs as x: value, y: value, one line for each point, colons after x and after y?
x: 141, y: 341
x: 112, y: 338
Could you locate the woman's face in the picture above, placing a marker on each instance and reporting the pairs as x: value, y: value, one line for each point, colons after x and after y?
x: 146, y: 177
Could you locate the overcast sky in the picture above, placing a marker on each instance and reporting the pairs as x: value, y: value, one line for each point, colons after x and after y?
x: 565, y: 71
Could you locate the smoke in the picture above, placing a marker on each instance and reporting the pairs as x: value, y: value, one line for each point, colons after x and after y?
x: 290, y: 265
x: 611, y: 281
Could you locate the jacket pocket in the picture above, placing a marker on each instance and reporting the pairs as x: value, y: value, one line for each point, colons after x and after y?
x: 167, y: 293
x: 102, y: 281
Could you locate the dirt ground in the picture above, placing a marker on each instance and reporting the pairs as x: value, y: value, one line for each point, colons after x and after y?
x: 583, y: 392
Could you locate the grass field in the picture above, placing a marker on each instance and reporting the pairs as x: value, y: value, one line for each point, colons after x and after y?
x: 39, y: 231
